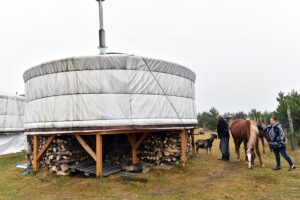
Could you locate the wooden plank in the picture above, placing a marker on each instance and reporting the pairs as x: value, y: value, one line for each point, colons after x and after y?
x: 99, y: 158
x: 112, y: 128
x: 86, y: 146
x: 135, y: 145
x: 135, y: 159
x: 193, y: 141
x: 131, y: 140
x: 183, y: 136
x: 35, y: 164
x: 140, y: 141
x: 42, y: 151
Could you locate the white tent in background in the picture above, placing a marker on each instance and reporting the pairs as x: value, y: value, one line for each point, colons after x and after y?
x: 12, y: 137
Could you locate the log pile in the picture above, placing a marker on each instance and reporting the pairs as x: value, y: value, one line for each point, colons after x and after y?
x: 158, y: 149
x: 162, y: 149
x: 62, y: 153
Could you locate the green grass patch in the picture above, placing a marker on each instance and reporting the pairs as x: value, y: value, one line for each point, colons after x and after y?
x: 204, y: 177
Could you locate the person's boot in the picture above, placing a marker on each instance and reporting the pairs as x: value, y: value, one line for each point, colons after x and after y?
x: 222, y: 158
x: 293, y: 167
x: 226, y: 158
x: 276, y: 168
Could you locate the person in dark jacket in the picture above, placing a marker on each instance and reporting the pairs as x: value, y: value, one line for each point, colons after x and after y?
x: 223, y: 135
x: 278, y: 143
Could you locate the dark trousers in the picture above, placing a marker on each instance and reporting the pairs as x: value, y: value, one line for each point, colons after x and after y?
x: 224, y: 148
x: 282, y: 151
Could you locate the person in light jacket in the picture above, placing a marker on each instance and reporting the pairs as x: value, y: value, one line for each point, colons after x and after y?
x: 278, y: 143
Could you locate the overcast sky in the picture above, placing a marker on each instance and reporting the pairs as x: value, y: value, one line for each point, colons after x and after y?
x: 243, y: 52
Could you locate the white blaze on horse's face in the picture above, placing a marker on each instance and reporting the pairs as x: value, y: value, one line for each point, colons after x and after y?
x: 249, y: 160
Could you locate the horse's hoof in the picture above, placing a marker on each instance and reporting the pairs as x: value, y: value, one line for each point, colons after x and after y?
x: 263, y: 166
x: 250, y: 167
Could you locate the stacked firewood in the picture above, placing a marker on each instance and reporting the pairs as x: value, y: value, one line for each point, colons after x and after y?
x: 62, y: 153
x: 162, y: 149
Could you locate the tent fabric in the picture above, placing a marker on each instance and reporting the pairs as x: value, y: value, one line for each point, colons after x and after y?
x: 12, y: 143
x: 109, y: 90
x: 11, y: 113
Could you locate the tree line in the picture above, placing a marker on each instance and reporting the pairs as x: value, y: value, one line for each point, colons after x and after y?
x: 209, y: 119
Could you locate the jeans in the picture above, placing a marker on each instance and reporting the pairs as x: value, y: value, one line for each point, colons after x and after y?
x: 282, y: 151
x: 224, y: 147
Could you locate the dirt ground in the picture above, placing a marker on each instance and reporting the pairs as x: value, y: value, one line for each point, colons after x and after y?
x: 204, y: 177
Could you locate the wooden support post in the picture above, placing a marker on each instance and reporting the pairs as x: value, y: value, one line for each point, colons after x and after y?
x: 35, y: 163
x: 135, y: 145
x: 193, y: 141
x: 141, y: 140
x: 99, y: 156
x: 183, y: 136
x: 42, y: 151
x: 135, y: 159
x: 86, y: 147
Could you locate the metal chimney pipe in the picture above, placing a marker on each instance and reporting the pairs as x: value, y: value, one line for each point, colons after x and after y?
x: 102, y: 45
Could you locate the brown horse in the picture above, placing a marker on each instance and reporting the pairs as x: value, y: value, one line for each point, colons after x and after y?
x: 246, y: 131
x: 263, y: 135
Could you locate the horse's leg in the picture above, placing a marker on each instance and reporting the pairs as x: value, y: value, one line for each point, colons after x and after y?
x: 263, y: 144
x: 237, y: 151
x: 248, y: 152
x: 258, y: 153
x: 245, y: 149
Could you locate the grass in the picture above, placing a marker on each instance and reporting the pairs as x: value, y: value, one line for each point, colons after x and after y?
x: 204, y: 177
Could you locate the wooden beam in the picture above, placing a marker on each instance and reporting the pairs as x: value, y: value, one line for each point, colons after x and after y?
x: 132, y: 141
x: 141, y: 140
x: 99, y: 156
x: 42, y: 151
x: 193, y: 141
x: 35, y: 164
x: 135, y: 159
x: 86, y: 147
x: 183, y: 137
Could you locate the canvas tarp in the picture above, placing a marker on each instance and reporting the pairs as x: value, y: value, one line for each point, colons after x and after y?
x: 110, y: 90
x: 12, y: 143
x: 11, y: 113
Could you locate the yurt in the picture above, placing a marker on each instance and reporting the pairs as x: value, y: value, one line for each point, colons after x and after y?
x: 109, y: 94
x: 102, y: 114
x: 12, y: 138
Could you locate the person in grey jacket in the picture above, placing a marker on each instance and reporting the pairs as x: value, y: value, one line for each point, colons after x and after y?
x: 278, y: 143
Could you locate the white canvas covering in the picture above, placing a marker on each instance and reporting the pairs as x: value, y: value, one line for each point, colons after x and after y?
x: 12, y: 143
x: 12, y: 137
x: 109, y: 90
x: 11, y: 113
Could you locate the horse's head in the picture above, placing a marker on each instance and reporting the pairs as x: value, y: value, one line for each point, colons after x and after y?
x: 263, y: 133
